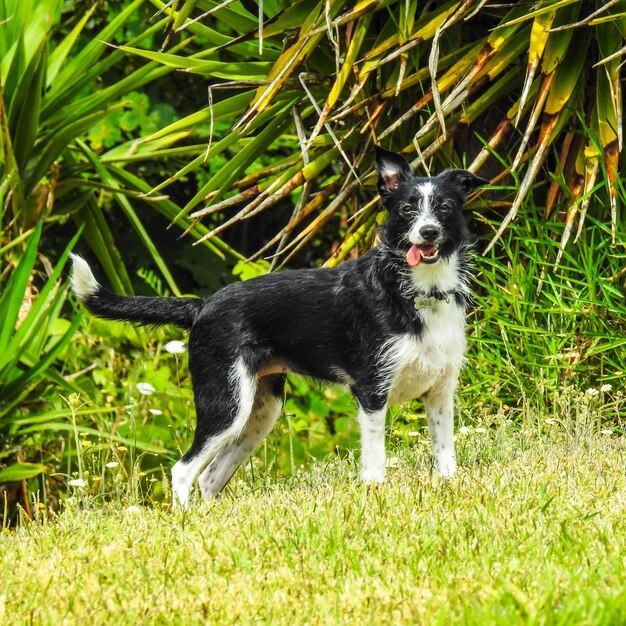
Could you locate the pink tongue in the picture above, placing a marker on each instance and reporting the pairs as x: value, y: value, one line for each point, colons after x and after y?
x: 413, y: 256
x: 416, y: 253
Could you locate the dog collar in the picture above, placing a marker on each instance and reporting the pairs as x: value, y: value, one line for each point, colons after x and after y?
x: 428, y: 300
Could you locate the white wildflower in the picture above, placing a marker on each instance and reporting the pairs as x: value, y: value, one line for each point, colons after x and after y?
x: 413, y: 433
x: 606, y: 431
x: 606, y: 388
x: 77, y: 482
x: 464, y: 430
x: 175, y: 347
x: 156, y: 411
x: 111, y: 464
x: 591, y: 392
x: 133, y: 509
x: 145, y: 389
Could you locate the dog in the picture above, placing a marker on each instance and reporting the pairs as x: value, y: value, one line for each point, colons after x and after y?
x: 389, y: 324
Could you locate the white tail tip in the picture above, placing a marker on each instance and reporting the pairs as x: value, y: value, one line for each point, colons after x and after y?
x: 84, y: 283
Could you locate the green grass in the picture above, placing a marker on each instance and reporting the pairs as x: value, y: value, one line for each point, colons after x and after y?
x: 531, y: 531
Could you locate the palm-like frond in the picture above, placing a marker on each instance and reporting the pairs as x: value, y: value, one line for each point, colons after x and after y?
x: 372, y: 71
x: 47, y: 103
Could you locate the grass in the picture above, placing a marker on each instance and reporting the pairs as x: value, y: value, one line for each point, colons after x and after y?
x: 531, y: 531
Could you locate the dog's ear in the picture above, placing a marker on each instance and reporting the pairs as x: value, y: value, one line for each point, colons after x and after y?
x: 392, y: 169
x: 462, y: 180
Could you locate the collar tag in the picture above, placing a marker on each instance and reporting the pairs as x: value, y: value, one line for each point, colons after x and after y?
x: 425, y: 302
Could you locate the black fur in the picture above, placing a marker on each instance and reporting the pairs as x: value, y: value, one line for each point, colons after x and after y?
x: 181, y: 312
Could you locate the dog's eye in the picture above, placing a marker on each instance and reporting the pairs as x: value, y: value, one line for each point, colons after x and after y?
x: 445, y: 208
x: 405, y: 210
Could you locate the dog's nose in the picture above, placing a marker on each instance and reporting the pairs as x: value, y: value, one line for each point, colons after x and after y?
x: 429, y: 232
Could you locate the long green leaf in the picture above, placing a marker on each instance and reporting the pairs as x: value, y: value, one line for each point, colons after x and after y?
x: 144, y: 446
x: 29, y: 107
x: 21, y: 471
x: 22, y: 339
x: 252, y: 70
x: 13, y: 294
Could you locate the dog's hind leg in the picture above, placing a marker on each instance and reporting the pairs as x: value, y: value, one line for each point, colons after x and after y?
x: 439, y: 404
x: 224, y: 401
x: 268, y: 403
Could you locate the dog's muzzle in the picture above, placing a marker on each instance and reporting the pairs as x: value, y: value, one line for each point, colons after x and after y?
x: 422, y: 253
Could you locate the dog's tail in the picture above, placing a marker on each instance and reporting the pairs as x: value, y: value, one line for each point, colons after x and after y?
x: 103, y: 303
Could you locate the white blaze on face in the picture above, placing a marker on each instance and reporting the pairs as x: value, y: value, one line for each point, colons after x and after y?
x: 426, y: 216
x: 426, y: 190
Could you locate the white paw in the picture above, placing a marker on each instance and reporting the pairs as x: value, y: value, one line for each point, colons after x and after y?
x: 373, y: 475
x: 446, y: 464
x: 180, y: 500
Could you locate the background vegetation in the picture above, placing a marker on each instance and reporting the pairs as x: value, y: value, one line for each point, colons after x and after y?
x: 180, y: 146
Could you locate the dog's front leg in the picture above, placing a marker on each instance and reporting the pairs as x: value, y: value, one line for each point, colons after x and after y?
x: 372, y: 415
x: 439, y: 403
x: 373, y: 457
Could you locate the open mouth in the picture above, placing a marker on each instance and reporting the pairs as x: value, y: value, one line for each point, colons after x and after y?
x: 426, y: 253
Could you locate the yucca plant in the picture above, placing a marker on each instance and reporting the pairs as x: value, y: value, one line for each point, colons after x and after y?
x: 539, y: 79
x: 32, y: 336
x: 50, y: 98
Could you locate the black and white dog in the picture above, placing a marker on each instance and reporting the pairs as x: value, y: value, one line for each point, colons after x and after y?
x: 390, y: 324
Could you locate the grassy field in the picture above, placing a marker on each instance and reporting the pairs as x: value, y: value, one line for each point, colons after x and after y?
x: 531, y: 531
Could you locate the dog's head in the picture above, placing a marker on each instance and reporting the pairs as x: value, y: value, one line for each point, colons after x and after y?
x: 425, y: 222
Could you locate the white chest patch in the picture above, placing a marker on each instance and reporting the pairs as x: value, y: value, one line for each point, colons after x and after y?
x: 443, y: 276
x: 414, y: 364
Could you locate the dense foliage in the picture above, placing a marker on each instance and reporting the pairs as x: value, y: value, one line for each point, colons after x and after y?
x: 249, y: 131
